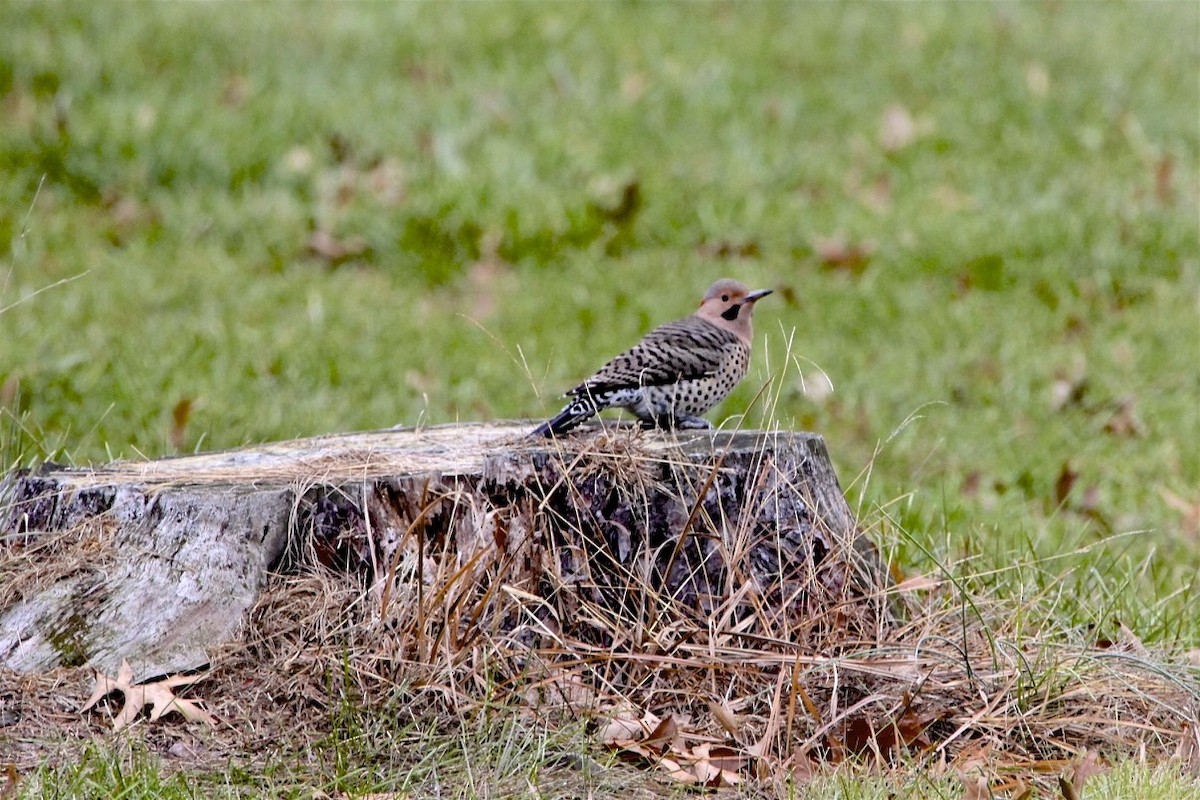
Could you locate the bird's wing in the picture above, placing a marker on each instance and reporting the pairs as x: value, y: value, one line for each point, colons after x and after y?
x: 687, y: 349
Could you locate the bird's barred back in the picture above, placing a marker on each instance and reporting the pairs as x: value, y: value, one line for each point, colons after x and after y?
x: 684, y: 350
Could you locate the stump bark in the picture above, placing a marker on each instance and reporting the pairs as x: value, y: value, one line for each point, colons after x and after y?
x: 457, y: 531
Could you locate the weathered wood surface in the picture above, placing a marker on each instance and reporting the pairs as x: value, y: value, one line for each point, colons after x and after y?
x: 158, y: 561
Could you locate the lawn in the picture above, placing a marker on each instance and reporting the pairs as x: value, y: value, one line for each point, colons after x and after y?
x: 229, y: 224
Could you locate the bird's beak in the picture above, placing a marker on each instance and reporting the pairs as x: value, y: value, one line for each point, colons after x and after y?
x: 761, y: 293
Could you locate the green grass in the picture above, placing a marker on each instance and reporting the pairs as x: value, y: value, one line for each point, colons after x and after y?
x: 1041, y: 228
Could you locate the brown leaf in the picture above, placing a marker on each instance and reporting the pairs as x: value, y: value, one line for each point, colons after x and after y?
x: 725, y: 717
x: 335, y: 251
x: 627, y: 728
x: 236, y: 91
x: 663, y: 736
x: 1124, y: 421
x: 633, y: 86
x: 676, y: 771
x: 952, y: 199
x: 1087, y: 766
x: 1066, y: 392
x: 729, y: 249
x: 159, y: 695
x: 1131, y: 642
x: 615, y: 199
x: 1189, y: 510
x: 898, y: 128
x: 877, y: 195
x: 11, y: 779
x: 1164, y: 172
x: 918, y: 583
x: 1188, y: 751
x: 179, y: 420
x: 976, y: 787
x: 387, y: 181
x: 1064, y: 483
x: 1037, y: 79
x: 106, y: 685
x: 838, y: 253
x: 800, y: 768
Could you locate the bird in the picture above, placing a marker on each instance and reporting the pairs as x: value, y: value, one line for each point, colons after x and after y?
x: 677, y: 372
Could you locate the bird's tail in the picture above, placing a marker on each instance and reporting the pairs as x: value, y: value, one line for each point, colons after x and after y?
x: 579, y: 409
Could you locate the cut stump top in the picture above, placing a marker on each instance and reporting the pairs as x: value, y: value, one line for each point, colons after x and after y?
x: 457, y: 449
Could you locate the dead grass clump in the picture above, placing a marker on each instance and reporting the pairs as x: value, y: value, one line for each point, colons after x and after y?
x: 759, y: 641
x: 715, y: 613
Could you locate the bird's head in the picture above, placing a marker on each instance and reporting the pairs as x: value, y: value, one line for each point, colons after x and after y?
x: 729, y: 304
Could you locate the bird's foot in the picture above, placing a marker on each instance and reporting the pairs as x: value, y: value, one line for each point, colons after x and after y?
x: 668, y: 422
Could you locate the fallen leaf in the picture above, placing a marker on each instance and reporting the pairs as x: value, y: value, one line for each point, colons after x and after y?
x: 975, y: 787
x: 335, y: 251
x: 663, y: 736
x: 106, y: 685
x: 918, y: 583
x: 1190, y: 511
x: 624, y: 727
x: 159, y: 695
x: 179, y: 420
x: 729, y: 249
x: 838, y: 253
x: 952, y: 199
x: 1164, y: 172
x: 817, y: 387
x: 800, y: 768
x: 298, y: 160
x: 1188, y: 751
x: 676, y: 771
x: 1087, y: 766
x: 1064, y: 483
x: 1037, y: 79
x: 236, y: 91
x: 1131, y: 642
x: 877, y: 195
x: 387, y: 181
x: 633, y: 86
x: 725, y: 717
x: 1124, y: 420
x: 616, y: 200
x: 10, y: 389
x: 9, y: 789
x: 1068, y: 391
x: 898, y: 128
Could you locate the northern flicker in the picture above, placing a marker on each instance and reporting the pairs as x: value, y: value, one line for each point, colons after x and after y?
x: 677, y: 372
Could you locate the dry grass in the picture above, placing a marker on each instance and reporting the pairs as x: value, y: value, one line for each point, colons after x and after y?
x: 786, y: 653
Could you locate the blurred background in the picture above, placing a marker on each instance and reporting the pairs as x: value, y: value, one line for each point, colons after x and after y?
x: 231, y: 224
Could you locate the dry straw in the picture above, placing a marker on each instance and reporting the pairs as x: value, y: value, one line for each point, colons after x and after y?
x: 705, y: 606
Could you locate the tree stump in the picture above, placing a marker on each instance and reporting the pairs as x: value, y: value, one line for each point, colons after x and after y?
x: 458, y: 532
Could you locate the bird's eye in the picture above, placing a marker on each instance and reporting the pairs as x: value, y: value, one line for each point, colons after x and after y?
x: 724, y: 298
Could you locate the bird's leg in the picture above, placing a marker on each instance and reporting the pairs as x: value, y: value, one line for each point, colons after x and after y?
x: 670, y: 422
x: 651, y: 421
